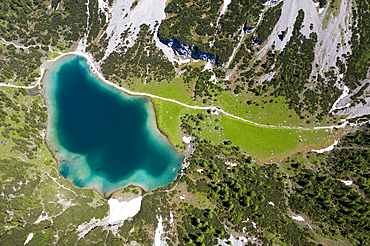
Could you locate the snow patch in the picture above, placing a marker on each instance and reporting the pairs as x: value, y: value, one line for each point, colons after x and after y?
x: 187, y: 140
x: 270, y: 2
x: 171, y: 218
x: 29, y: 237
x: 254, y: 225
x: 224, y: 6
x: 182, y: 61
x: 344, y: 94
x: 146, y: 75
x: 213, y: 78
x: 330, y: 148
x: 231, y: 164
x: 208, y: 67
x: 297, y: 218
x: 42, y: 218
x: 235, y: 242
x: 123, y: 210
x: 159, y: 232
x: 321, y: 10
x: 347, y: 182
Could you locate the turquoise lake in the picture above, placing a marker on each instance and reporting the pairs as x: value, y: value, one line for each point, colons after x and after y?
x: 101, y: 137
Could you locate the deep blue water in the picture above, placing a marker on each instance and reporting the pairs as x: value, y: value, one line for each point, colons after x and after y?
x: 101, y: 137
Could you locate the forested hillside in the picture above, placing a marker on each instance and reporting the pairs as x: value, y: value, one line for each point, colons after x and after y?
x: 271, y: 114
x: 200, y: 25
x: 34, y: 26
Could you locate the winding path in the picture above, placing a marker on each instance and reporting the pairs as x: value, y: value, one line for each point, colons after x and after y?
x: 214, y: 108
x: 42, y: 70
x: 38, y: 81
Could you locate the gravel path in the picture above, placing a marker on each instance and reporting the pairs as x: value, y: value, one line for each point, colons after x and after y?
x: 101, y: 77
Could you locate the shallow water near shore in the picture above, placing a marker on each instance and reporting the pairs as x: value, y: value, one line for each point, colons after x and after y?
x: 101, y: 137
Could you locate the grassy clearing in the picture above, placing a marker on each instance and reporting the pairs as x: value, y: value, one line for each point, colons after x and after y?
x: 272, y: 113
x: 128, y: 193
x: 311, y: 161
x: 267, y: 110
x: 267, y: 143
x: 52, y: 55
x: 263, y: 144
x: 168, y: 119
x: 174, y: 90
x: 264, y: 110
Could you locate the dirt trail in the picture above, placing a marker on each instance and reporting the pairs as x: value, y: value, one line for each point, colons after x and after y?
x: 19, y: 46
x: 94, y: 69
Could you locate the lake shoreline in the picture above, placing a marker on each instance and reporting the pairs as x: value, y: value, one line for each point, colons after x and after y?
x: 151, y: 124
x: 94, y: 71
